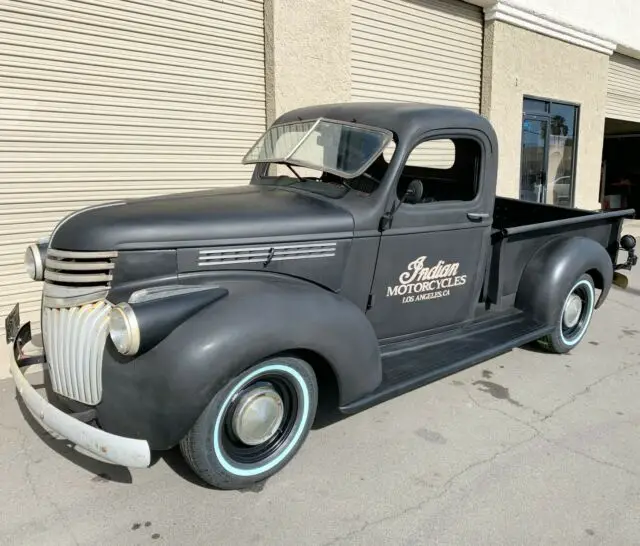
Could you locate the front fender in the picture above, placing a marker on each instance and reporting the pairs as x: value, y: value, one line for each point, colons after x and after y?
x: 159, y: 395
x: 554, y: 267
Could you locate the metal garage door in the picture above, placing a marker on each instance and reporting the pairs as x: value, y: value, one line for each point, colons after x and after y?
x: 623, y: 88
x: 419, y: 51
x: 104, y: 99
x: 424, y: 51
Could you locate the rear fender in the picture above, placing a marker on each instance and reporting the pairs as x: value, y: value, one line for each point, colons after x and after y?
x: 552, y: 270
x: 159, y: 395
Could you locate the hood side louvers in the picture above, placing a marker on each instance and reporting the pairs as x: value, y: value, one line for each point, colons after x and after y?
x: 265, y: 253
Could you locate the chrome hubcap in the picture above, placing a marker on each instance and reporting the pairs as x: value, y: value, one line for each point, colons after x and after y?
x: 258, y: 415
x: 572, y: 311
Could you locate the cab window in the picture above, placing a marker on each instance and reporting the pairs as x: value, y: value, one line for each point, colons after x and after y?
x: 438, y: 170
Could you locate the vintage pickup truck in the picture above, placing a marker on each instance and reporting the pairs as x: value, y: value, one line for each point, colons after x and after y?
x: 369, y: 248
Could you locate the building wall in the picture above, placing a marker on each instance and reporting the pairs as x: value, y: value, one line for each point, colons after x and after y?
x: 307, y: 53
x: 519, y: 62
x: 615, y: 20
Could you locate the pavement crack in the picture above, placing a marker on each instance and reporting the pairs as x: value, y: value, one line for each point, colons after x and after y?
x: 592, y: 458
x: 444, y: 489
x: 584, y: 391
x: 507, y: 415
x: 556, y: 443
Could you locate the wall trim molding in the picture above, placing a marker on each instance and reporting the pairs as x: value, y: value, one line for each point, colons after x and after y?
x: 501, y: 11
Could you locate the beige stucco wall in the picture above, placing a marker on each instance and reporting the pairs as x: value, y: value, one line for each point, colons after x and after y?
x: 308, y: 61
x: 519, y: 62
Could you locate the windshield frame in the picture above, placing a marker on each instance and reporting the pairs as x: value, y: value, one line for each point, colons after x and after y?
x: 286, y: 160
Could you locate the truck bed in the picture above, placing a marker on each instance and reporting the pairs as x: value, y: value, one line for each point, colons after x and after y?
x: 520, y: 228
x: 512, y: 213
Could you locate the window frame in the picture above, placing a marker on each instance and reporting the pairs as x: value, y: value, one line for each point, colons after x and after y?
x: 548, y: 116
x: 444, y: 134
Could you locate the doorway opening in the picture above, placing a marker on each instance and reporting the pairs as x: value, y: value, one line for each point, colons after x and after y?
x: 620, y: 174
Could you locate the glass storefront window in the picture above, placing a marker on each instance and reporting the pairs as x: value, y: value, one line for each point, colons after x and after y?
x: 549, y: 139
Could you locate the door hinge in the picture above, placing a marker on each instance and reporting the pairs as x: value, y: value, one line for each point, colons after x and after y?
x: 385, y: 222
x: 370, y: 301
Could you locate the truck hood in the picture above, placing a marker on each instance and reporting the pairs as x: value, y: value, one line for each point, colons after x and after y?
x: 192, y: 219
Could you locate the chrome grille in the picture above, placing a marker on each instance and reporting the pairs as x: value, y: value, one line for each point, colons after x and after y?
x: 74, y: 340
x: 71, y: 268
x: 257, y: 254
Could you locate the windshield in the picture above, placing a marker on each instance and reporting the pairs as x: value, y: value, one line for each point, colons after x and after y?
x: 334, y: 147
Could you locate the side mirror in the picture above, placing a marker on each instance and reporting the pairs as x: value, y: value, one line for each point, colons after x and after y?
x: 414, y: 192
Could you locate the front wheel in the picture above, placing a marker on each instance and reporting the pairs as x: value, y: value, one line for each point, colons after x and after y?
x: 255, y: 425
x: 574, y: 318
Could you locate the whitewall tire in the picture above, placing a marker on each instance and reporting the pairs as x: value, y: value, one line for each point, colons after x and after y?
x: 574, y: 317
x: 255, y: 425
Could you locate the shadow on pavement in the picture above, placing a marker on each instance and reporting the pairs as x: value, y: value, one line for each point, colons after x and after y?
x: 175, y: 461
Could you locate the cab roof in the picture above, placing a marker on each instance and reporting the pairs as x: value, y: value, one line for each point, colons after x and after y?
x: 405, y: 119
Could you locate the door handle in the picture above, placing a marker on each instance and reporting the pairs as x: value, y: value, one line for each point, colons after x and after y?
x: 477, y: 215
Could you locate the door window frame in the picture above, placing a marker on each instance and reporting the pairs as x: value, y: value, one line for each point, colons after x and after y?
x: 545, y: 119
x: 444, y: 134
x: 546, y: 115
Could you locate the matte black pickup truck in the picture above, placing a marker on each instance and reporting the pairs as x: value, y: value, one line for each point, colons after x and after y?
x: 369, y: 249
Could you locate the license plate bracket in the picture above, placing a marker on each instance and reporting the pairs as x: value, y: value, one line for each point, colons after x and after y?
x: 12, y: 324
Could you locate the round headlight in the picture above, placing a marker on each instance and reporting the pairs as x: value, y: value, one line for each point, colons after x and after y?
x: 124, y: 330
x: 33, y: 263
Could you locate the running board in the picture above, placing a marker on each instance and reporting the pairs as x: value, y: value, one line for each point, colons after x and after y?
x: 408, y: 369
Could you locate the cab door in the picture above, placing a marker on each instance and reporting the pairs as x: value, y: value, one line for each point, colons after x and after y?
x: 431, y: 258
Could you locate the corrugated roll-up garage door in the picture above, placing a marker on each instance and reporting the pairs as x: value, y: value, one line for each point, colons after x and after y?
x: 418, y: 51
x: 623, y: 88
x: 104, y: 99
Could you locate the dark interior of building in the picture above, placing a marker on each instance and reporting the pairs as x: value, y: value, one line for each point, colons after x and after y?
x: 620, y: 179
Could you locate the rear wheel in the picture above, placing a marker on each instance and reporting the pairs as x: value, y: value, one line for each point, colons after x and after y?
x: 574, y: 318
x: 255, y: 425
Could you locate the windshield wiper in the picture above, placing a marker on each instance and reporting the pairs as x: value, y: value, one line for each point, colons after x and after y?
x: 294, y: 172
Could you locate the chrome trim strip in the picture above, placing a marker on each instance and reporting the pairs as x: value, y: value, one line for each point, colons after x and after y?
x: 267, y: 248
x: 76, y: 278
x: 55, y: 296
x: 160, y: 292
x: 310, y: 256
x: 293, y: 253
x: 60, y: 265
x: 76, y: 255
x: 246, y: 255
x: 37, y: 260
x: 261, y: 260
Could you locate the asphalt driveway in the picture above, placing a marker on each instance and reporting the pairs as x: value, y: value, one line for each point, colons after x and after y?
x: 528, y: 448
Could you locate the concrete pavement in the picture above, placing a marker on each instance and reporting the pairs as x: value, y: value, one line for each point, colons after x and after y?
x: 528, y: 448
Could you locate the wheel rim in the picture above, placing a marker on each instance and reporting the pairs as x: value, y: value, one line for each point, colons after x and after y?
x: 572, y: 310
x: 576, y: 312
x: 248, y: 450
x: 257, y: 415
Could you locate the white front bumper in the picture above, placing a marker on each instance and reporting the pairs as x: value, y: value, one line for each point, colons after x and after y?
x: 89, y: 440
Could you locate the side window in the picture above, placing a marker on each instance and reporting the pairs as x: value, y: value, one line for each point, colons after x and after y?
x: 439, y: 170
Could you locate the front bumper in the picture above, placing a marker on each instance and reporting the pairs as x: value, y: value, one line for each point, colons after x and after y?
x: 87, y: 439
